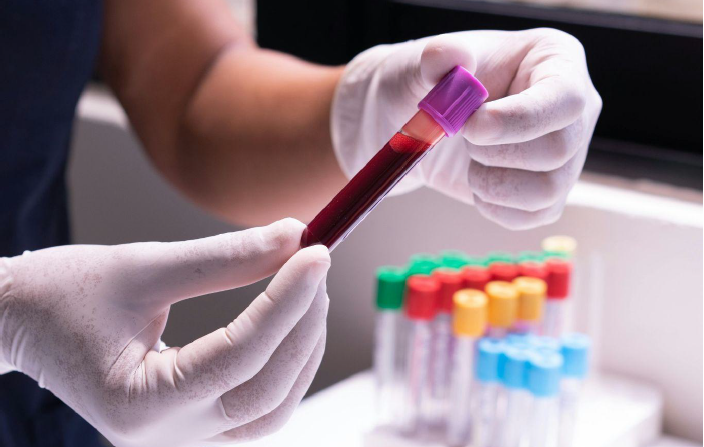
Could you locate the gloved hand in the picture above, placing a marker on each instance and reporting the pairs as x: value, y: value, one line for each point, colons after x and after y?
x: 85, y: 322
x: 518, y: 155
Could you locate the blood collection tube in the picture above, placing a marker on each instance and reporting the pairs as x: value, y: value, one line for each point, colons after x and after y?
x: 475, y: 277
x: 503, y: 271
x: 387, y: 369
x: 503, y: 307
x: 421, y: 306
x: 564, y: 248
x: 451, y: 281
x: 544, y: 372
x: 468, y: 324
x: 485, y: 391
x: 443, y: 111
x: 556, y: 305
x: 531, y: 299
x: 575, y: 352
x: 513, y: 366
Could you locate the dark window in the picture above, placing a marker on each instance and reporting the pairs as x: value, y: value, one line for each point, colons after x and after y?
x: 647, y: 70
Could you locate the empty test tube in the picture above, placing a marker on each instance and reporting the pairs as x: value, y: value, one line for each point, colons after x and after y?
x: 575, y: 352
x: 513, y: 371
x: 544, y: 373
x: 387, y: 368
x: 421, y: 301
x: 556, y: 305
x: 503, y: 307
x: 485, y: 392
x: 468, y: 324
x: 451, y: 281
x: 531, y: 299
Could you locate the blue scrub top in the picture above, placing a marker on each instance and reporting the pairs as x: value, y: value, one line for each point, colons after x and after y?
x: 48, y: 52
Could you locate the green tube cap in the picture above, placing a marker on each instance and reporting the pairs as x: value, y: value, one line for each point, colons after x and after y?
x: 500, y: 256
x: 477, y: 262
x: 422, y: 264
x: 390, y: 283
x: 531, y: 256
x: 454, y: 259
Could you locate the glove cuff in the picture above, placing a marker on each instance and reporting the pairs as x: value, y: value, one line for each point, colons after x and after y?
x: 5, y: 285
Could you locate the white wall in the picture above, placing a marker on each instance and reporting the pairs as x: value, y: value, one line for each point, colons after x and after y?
x: 639, y: 257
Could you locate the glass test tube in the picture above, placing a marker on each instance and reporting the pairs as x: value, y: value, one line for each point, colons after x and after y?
x: 468, y: 324
x: 442, y: 112
x: 389, y: 300
x: 559, y: 276
x: 485, y: 392
x: 531, y: 299
x: 544, y: 372
x: 513, y: 425
x: 503, y: 307
x: 575, y: 352
x: 421, y: 302
x: 451, y: 281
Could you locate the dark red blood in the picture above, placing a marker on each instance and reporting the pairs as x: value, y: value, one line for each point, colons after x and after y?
x: 364, y: 191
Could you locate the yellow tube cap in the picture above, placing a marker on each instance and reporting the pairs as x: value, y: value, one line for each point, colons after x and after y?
x: 531, y: 297
x: 503, y: 303
x: 469, y: 313
x: 559, y: 244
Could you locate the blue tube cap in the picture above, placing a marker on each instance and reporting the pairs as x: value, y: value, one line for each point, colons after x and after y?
x: 513, y: 364
x: 488, y: 354
x: 543, y: 342
x: 575, y: 351
x: 544, y: 373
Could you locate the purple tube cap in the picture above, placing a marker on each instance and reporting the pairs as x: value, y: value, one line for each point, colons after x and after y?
x: 454, y: 99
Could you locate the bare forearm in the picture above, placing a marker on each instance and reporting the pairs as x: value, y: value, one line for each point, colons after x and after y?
x: 244, y: 132
x: 255, y: 145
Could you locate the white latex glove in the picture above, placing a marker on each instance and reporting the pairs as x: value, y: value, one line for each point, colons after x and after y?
x: 84, y: 321
x: 518, y: 155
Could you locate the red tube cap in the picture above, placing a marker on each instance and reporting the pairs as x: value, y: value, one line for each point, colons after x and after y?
x: 559, y: 277
x: 450, y: 280
x: 503, y: 271
x: 422, y: 292
x: 533, y: 269
x: 475, y: 277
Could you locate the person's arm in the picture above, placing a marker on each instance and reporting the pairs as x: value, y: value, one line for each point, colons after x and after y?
x: 244, y: 132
